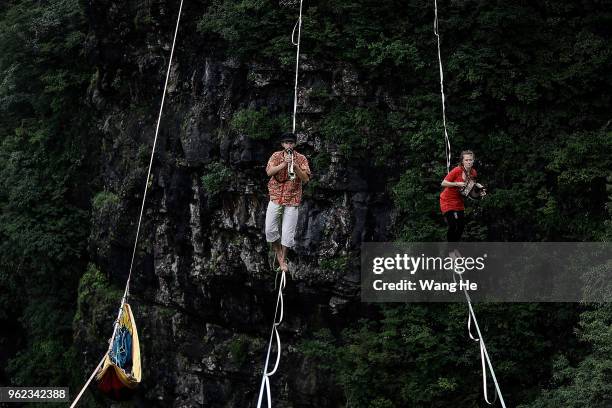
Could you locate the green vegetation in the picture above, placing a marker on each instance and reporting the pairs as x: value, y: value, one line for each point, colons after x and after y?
x: 94, y: 283
x: 311, y: 188
x: 321, y: 161
x: 239, y: 349
x: 337, y: 264
x: 43, y: 229
x: 358, y: 132
x: 587, y: 383
x: 528, y: 89
x: 230, y: 21
x: 105, y: 201
x: 95, y: 290
x: 217, y: 177
x: 360, y: 32
x: 418, y: 355
x: 258, y: 124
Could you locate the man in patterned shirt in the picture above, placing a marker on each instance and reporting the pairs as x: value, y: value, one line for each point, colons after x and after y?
x: 285, y: 197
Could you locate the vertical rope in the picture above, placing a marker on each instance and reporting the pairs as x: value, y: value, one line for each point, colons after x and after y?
x: 484, y: 355
x: 126, y: 292
x: 447, y: 144
x: 298, y: 26
x: 265, y: 379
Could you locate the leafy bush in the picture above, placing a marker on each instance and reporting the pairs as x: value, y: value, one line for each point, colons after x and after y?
x: 217, y: 177
x: 359, y: 133
x: 259, y: 124
x: 337, y: 264
x: 256, y: 124
x: 239, y: 350
x: 95, y: 289
x: 105, y: 201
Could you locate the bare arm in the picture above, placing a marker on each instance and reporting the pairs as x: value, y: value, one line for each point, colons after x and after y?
x: 452, y: 183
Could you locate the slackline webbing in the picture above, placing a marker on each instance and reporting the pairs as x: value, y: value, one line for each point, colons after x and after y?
x: 144, y: 198
x: 91, y: 377
x: 279, y: 310
x: 274, y: 338
x: 447, y: 145
x: 298, y: 26
x: 484, y: 355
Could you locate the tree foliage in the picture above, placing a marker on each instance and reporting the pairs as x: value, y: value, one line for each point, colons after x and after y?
x: 43, y: 222
x: 420, y: 356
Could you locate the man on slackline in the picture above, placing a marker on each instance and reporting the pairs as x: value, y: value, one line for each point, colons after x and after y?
x: 287, y: 170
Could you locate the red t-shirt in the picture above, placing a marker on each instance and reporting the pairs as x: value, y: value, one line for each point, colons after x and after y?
x: 450, y: 198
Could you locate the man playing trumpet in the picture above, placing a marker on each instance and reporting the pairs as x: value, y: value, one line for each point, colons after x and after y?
x: 287, y: 170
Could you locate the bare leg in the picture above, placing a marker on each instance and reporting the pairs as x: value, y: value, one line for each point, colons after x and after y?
x: 279, y: 253
x: 283, y: 264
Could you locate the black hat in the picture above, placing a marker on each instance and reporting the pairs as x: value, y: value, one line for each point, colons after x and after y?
x: 287, y: 137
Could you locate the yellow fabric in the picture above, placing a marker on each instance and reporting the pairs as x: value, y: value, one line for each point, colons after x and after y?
x: 132, y: 379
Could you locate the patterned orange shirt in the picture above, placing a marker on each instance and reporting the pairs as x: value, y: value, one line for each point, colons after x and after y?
x: 282, y: 190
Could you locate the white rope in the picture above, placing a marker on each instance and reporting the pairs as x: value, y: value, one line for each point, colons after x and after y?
x: 298, y: 25
x: 484, y: 355
x: 110, y: 346
x: 446, y: 139
x: 265, y: 380
x: 161, y: 109
x: 91, y: 377
x: 144, y: 197
x: 280, y: 306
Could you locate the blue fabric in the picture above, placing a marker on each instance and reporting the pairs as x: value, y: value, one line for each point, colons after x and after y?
x: 121, y: 353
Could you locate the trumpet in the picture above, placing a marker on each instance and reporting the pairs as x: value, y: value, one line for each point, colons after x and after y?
x: 290, y: 172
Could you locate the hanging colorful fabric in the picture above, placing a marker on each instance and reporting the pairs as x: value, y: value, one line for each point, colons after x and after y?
x: 121, y: 371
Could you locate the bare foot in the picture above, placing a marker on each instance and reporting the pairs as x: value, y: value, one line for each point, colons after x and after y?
x: 283, y: 265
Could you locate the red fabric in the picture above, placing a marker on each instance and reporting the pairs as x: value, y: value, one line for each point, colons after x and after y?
x: 450, y: 198
x: 112, y: 386
x: 282, y: 190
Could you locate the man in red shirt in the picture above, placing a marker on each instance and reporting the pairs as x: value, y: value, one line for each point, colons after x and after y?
x: 451, y: 200
x: 285, y: 196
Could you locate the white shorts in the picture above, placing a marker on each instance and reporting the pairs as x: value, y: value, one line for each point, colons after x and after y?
x: 278, y: 215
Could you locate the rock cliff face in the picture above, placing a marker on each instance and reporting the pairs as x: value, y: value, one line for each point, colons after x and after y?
x: 203, y: 291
